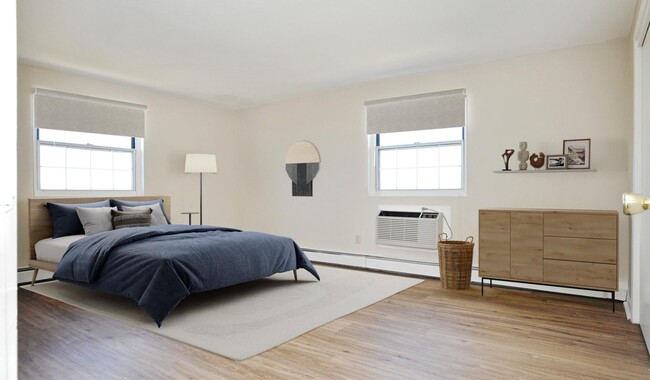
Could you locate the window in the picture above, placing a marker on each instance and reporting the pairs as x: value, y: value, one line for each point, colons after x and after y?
x: 420, y: 160
x: 87, y: 144
x: 69, y: 160
x: 418, y: 143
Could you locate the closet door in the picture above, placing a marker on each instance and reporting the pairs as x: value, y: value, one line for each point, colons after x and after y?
x: 8, y: 192
x: 641, y: 222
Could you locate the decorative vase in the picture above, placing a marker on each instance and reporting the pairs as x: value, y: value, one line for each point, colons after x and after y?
x: 537, y: 161
x: 523, y: 155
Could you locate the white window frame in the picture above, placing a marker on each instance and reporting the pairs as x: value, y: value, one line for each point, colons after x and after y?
x: 373, y: 178
x: 138, y: 166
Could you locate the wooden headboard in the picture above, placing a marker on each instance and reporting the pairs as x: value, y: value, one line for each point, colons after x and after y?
x: 40, y: 223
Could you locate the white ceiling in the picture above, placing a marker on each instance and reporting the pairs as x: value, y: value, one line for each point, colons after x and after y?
x: 239, y: 53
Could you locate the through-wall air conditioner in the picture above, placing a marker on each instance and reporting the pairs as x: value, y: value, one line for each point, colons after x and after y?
x: 409, y: 229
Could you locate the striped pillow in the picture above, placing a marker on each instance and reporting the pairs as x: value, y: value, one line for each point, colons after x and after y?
x: 124, y: 219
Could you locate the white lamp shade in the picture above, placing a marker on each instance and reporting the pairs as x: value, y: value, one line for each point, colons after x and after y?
x: 200, y: 163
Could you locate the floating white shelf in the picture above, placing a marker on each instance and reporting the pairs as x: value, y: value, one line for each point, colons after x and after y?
x: 534, y: 171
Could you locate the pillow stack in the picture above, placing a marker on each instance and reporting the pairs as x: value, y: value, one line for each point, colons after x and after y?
x: 95, y: 217
x: 156, y: 204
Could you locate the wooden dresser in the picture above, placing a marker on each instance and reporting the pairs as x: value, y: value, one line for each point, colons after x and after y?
x: 570, y: 248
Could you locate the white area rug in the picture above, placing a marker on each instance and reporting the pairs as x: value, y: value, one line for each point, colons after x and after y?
x: 248, y: 319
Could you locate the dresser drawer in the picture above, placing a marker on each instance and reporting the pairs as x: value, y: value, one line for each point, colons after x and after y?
x: 597, y: 226
x: 588, y: 275
x: 580, y: 249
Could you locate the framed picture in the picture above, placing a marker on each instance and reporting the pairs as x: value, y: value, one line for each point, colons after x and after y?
x: 556, y: 161
x: 578, y: 153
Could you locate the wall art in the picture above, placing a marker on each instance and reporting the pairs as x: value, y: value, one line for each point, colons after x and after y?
x: 302, y: 163
x: 578, y: 152
x: 555, y: 161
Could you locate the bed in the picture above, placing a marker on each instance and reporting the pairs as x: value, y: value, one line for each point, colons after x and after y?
x: 158, y: 266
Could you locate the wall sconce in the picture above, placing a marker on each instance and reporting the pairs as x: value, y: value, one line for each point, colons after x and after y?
x: 634, y: 203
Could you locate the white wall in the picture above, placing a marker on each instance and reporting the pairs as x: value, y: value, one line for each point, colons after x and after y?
x: 582, y: 92
x: 175, y: 126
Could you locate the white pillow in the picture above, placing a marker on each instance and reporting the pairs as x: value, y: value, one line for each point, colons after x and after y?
x: 157, y: 216
x: 95, y: 219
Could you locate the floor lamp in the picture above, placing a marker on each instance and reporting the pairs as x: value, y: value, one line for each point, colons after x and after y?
x: 200, y: 163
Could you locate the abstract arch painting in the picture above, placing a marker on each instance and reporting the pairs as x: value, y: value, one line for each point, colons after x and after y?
x: 302, y: 163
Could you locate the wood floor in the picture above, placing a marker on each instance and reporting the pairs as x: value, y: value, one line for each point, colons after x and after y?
x: 424, y: 332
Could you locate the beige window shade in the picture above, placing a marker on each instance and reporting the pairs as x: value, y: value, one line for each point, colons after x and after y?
x: 71, y: 112
x: 417, y: 112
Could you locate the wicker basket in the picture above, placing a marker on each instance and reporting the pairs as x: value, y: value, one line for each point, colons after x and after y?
x: 455, y: 260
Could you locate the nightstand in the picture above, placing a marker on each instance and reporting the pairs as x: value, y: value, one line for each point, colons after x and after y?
x: 190, y: 213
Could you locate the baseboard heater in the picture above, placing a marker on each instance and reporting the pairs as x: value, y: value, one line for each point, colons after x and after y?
x: 409, y: 229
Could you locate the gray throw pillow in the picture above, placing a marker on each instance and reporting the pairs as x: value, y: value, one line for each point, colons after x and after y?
x: 95, y: 219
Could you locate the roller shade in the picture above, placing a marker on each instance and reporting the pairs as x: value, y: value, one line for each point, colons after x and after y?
x: 435, y: 110
x: 71, y: 112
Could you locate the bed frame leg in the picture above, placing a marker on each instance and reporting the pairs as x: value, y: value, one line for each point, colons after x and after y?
x: 34, y: 276
x: 295, y: 275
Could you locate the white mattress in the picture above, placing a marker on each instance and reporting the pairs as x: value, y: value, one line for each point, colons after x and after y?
x: 52, y: 250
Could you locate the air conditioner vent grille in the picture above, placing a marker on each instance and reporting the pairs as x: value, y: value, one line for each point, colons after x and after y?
x: 409, y: 229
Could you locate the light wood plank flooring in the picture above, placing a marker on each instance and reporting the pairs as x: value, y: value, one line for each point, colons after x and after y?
x: 424, y: 332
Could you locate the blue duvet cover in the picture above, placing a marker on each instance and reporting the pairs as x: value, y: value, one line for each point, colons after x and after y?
x: 159, y: 266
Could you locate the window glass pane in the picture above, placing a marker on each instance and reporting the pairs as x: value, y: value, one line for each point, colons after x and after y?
x: 101, y: 180
x: 428, y: 157
x: 407, y: 158
x: 78, y: 158
x: 407, y: 179
x: 104, y: 162
x: 101, y: 159
x: 52, y: 178
x: 387, y: 158
x: 51, y: 135
x: 388, y: 179
x: 52, y: 156
x: 427, y: 178
x: 78, y: 179
x: 122, y: 160
x: 451, y: 155
x: 421, y: 137
x: 421, y: 160
x: 85, y: 138
x: 122, y: 180
x: 450, y: 177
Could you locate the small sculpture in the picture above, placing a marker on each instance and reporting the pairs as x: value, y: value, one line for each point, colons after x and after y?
x: 506, y: 158
x: 523, y: 155
x: 537, y: 161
